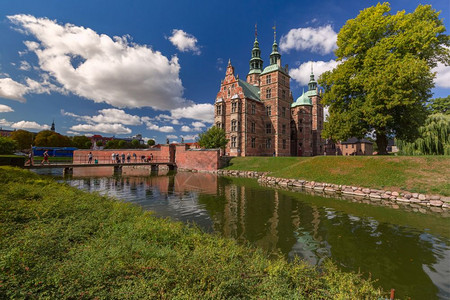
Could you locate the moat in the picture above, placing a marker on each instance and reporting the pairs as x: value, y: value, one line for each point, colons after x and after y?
x: 407, y: 251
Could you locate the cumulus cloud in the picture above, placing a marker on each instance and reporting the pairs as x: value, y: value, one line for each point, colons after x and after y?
x: 29, y: 125
x: 12, y: 90
x: 442, y: 79
x: 151, y: 126
x: 302, y: 73
x: 186, y: 129
x: 103, y: 128
x: 171, y: 136
x: 24, y: 66
x: 5, y: 108
x: 184, y: 41
x: 202, y: 112
x: 100, y: 68
x: 319, y: 40
x: 189, y: 137
x: 4, y: 122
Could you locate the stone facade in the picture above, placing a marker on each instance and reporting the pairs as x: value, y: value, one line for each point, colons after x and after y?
x: 354, y: 146
x: 259, y: 115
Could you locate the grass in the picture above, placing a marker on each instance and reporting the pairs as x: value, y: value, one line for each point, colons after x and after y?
x: 58, y: 242
x: 421, y: 174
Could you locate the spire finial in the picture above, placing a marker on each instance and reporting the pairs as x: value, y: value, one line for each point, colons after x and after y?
x: 274, y: 31
x: 229, y: 61
x: 256, y: 31
x: 311, y: 67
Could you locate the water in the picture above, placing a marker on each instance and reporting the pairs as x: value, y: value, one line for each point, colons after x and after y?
x: 406, y: 251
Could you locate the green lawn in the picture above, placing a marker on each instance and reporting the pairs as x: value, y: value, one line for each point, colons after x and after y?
x: 422, y: 174
x: 57, y: 242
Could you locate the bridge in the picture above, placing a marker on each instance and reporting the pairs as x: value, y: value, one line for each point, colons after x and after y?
x: 68, y: 167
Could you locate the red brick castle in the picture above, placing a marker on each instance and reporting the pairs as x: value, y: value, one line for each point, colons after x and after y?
x: 260, y: 116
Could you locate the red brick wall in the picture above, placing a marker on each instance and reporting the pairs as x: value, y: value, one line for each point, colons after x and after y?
x: 207, y: 160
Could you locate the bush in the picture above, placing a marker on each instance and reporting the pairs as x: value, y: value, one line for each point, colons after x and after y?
x: 7, y: 145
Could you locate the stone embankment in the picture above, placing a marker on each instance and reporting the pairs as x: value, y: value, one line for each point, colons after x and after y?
x: 408, y: 201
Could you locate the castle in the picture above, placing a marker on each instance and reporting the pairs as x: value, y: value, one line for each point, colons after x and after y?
x: 259, y: 115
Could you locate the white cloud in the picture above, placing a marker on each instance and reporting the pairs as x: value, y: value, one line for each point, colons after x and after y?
x: 198, y: 124
x: 302, y: 73
x: 189, y: 137
x: 319, y: 40
x: 155, y: 127
x: 202, y: 112
x: 103, y: 128
x: 25, y: 66
x: 12, y: 90
x: 442, y: 79
x: 3, y: 122
x: 101, y: 68
x: 184, y: 41
x: 186, y: 129
x: 108, y: 116
x: 171, y: 136
x: 29, y: 125
x: 5, y: 108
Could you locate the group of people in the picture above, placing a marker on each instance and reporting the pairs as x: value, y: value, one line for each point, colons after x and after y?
x: 122, y: 158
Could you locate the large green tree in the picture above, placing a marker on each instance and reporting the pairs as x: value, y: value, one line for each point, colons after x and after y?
x: 440, y: 105
x: 7, y: 145
x: 213, y: 138
x: 434, y: 138
x: 23, y: 138
x: 48, y: 138
x: 81, y: 142
x: 384, y: 77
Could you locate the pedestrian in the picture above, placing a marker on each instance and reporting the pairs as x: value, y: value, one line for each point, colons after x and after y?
x: 135, y: 157
x: 30, y: 159
x: 96, y: 161
x: 143, y: 158
x: 45, y: 160
x: 128, y: 157
x: 117, y: 158
x: 123, y: 157
x: 90, y: 158
x: 113, y: 157
x: 151, y: 156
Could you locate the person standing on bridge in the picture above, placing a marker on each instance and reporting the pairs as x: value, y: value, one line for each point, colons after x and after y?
x: 135, y: 157
x: 151, y: 156
x: 113, y: 157
x: 128, y: 157
x: 123, y: 157
x: 90, y: 158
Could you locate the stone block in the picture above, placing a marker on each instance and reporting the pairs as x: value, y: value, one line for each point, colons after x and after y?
x: 436, y: 203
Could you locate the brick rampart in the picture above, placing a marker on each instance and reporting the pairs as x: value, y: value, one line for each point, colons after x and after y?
x: 193, y: 159
x: 105, y: 156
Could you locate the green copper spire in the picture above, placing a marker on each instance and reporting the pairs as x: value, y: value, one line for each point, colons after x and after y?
x: 312, y: 85
x: 256, y: 63
x: 275, y: 56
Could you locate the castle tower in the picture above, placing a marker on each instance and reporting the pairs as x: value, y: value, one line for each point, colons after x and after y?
x: 53, y: 126
x: 275, y: 95
x: 317, y: 116
x: 256, y: 63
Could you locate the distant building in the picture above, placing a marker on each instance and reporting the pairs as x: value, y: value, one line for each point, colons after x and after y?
x: 6, y: 133
x: 391, y: 146
x: 53, y: 126
x: 354, y: 146
x: 98, y: 138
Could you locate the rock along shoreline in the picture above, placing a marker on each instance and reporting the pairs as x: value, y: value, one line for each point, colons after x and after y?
x: 435, y: 204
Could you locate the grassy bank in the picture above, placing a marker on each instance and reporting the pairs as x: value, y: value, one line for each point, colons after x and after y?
x: 60, y: 242
x: 421, y: 174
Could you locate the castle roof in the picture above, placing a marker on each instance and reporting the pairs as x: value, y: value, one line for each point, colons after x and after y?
x: 250, y: 91
x: 304, y: 99
x: 274, y: 67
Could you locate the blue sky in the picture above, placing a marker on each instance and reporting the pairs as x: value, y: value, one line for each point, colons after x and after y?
x: 154, y: 67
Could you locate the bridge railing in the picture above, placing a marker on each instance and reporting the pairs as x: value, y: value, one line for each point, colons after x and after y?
x: 108, y: 159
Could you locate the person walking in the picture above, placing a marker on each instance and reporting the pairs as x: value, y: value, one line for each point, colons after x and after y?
x: 151, y: 156
x: 113, y: 157
x: 90, y: 158
x: 128, y: 157
x: 135, y: 157
x: 123, y: 157
x: 45, y: 160
x: 30, y: 159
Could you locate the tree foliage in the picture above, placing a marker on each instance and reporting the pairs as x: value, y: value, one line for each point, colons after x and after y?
x: 434, y: 138
x: 151, y: 142
x: 214, y: 137
x: 7, y: 145
x: 23, y: 138
x: 384, y: 78
x: 81, y: 142
x: 48, y: 138
x: 440, y: 105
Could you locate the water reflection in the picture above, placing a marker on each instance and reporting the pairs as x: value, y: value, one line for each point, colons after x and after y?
x: 406, y: 256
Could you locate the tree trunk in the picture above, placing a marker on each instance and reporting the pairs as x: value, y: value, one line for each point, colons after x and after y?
x: 381, y: 143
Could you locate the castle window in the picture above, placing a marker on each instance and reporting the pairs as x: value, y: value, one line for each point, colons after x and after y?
x: 268, y: 79
x: 229, y: 92
x: 283, y: 111
x: 269, y: 143
x: 218, y: 125
x: 253, y: 109
x: 234, y: 107
x: 268, y: 93
x: 282, y: 79
x: 253, y: 128
x: 283, y: 94
x: 283, y: 131
x: 233, y: 142
x: 268, y: 128
x: 219, y: 109
x: 253, y: 142
x: 269, y: 110
x: 233, y: 125
x: 284, y: 144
